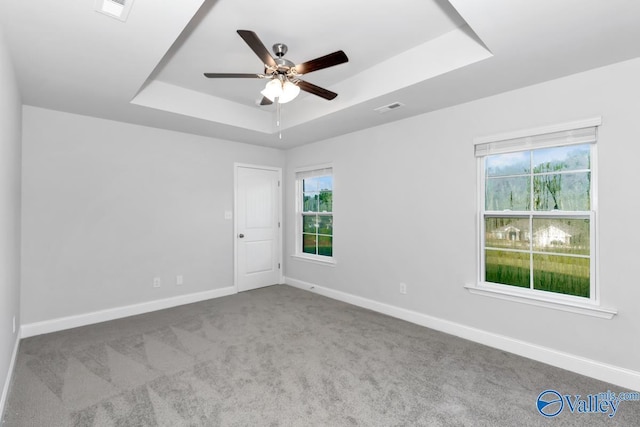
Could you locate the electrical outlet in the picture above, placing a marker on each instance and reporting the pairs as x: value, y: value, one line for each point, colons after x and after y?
x: 179, y: 280
x: 403, y: 288
x: 156, y: 282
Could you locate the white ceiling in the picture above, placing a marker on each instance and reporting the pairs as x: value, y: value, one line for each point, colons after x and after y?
x: 426, y: 54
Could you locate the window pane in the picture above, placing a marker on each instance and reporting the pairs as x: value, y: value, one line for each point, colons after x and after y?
x: 511, y: 193
x: 325, y: 245
x: 309, y: 243
x: 561, y: 274
x: 309, y: 185
x: 562, y: 158
x: 325, y: 183
x: 508, y: 164
x: 325, y: 201
x: 550, y: 253
x: 317, y: 183
x: 507, y: 232
x: 317, y: 216
x: 561, y: 235
x: 325, y: 224
x: 507, y: 268
x: 309, y: 224
x: 567, y: 192
x: 310, y: 202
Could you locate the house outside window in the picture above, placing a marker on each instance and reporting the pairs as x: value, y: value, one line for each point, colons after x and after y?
x: 314, y: 205
x: 537, y: 215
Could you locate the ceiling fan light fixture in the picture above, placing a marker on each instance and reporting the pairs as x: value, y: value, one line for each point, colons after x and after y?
x: 289, y: 92
x: 285, y: 90
x: 272, y: 90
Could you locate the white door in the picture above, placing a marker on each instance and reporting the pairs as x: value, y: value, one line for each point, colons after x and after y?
x: 257, y: 227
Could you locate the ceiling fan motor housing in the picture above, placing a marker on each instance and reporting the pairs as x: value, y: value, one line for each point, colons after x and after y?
x: 284, y: 65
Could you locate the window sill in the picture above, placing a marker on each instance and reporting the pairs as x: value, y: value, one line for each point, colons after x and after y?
x: 572, y: 307
x: 331, y: 262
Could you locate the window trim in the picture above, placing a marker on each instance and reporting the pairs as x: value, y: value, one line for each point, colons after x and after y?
x: 588, y: 306
x: 299, y: 254
x: 589, y: 309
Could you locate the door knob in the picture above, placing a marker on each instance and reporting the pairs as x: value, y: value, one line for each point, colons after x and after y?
x: 241, y: 235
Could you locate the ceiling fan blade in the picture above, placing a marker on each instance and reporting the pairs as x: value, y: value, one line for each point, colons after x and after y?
x: 233, y: 76
x: 316, y: 90
x: 266, y: 101
x: 326, y: 61
x: 258, y: 47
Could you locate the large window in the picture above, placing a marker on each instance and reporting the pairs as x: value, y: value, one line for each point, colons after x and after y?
x: 315, y: 213
x: 537, y: 214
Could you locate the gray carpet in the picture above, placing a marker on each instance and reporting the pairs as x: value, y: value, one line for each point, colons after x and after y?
x: 281, y: 356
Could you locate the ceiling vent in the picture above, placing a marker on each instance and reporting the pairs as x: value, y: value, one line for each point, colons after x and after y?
x: 118, y: 9
x: 389, y: 107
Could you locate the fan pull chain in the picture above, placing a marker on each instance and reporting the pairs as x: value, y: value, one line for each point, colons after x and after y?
x: 278, y: 117
x: 278, y: 112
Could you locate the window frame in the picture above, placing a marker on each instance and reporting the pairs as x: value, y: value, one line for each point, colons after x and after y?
x: 531, y: 215
x: 589, y: 306
x: 300, y: 214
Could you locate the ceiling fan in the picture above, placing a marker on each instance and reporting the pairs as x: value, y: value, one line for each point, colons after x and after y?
x: 284, y: 76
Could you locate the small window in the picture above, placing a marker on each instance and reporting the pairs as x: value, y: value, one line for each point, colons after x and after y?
x: 315, y: 213
x: 537, y: 214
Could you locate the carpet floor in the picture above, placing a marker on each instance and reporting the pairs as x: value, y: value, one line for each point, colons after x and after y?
x: 280, y: 356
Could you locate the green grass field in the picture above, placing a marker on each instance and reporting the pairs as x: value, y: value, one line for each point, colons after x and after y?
x: 563, y: 275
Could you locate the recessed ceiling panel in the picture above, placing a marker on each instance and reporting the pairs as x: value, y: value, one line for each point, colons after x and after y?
x: 378, y: 31
x: 389, y: 46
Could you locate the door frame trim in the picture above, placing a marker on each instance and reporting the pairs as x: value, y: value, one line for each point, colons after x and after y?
x: 280, y: 249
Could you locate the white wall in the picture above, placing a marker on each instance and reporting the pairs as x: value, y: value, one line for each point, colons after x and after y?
x: 10, y: 128
x: 108, y: 206
x: 405, y: 200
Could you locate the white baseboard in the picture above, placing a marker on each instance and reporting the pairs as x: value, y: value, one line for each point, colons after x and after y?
x: 62, y: 323
x: 622, y: 377
x: 7, y: 383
